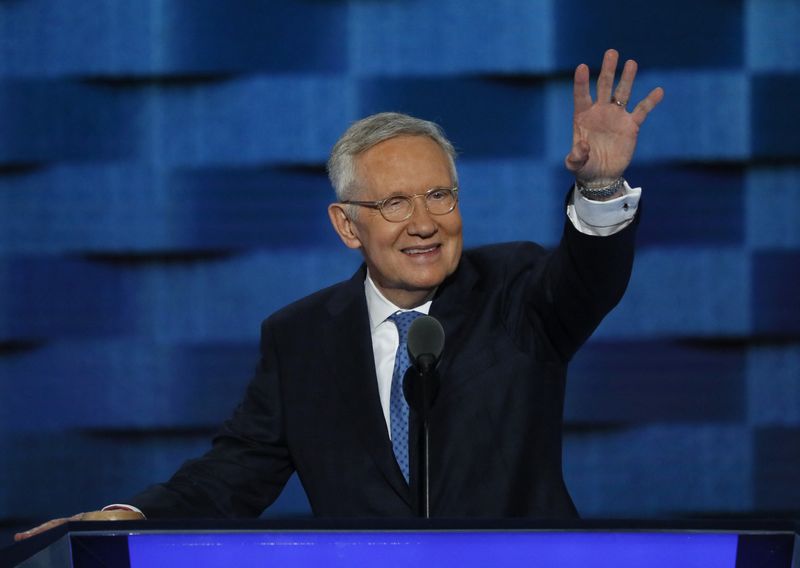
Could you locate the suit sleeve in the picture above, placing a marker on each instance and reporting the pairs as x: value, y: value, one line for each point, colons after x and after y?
x: 567, y: 293
x: 249, y: 461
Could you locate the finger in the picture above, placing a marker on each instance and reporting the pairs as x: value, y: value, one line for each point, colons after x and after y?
x: 46, y: 527
x: 580, y: 89
x: 623, y: 91
x: 40, y: 529
x: 641, y: 111
x: 606, y: 79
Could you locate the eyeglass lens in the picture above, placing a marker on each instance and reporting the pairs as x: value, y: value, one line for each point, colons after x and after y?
x: 437, y: 201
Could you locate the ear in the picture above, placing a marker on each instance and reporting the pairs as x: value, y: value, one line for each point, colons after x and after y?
x: 344, y: 226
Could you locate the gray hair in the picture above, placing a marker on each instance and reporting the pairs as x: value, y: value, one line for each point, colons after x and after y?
x: 370, y: 131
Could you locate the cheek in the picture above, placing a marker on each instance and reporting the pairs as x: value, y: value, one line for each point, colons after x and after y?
x: 457, y: 243
x: 380, y: 244
x: 454, y: 228
x: 376, y: 233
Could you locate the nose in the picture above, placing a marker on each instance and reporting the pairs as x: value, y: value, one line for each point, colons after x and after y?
x: 421, y: 223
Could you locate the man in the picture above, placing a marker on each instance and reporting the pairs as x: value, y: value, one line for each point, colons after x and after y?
x: 325, y: 399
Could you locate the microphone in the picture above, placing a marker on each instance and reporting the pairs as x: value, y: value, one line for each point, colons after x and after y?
x: 420, y: 387
x: 425, y: 343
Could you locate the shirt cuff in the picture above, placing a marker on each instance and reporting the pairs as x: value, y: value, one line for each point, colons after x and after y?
x: 603, y: 218
x: 123, y: 506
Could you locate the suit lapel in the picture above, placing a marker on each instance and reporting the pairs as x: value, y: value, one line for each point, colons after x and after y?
x: 453, y: 307
x: 349, y: 353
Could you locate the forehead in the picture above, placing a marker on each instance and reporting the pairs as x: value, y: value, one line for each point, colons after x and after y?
x: 403, y: 164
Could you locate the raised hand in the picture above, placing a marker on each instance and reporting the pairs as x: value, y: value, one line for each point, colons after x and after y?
x: 604, y: 132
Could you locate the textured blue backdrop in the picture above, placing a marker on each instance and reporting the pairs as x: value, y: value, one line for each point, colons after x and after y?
x: 162, y: 190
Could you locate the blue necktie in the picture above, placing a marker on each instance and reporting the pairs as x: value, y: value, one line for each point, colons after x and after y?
x: 398, y: 407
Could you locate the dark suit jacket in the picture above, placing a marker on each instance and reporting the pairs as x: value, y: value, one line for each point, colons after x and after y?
x: 513, y: 317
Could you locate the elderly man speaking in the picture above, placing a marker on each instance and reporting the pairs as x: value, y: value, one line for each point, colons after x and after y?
x: 326, y: 400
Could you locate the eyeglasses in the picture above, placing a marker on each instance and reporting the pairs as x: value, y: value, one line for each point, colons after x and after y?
x: 398, y: 208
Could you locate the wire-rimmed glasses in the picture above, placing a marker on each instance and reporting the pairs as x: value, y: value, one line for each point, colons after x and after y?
x: 398, y: 208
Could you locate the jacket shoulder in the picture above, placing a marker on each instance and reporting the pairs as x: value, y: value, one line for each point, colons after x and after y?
x: 504, y: 257
x: 309, y: 308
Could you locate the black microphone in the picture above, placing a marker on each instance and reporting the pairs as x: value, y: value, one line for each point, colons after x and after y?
x: 420, y: 387
x: 425, y: 343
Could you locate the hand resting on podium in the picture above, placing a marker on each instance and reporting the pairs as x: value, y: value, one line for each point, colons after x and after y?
x: 106, y: 515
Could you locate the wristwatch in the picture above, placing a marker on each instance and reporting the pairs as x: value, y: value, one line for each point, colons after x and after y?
x: 600, y: 192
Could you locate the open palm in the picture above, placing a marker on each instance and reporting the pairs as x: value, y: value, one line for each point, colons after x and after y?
x: 604, y: 132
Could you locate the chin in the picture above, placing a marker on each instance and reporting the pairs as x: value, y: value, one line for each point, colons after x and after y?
x: 430, y: 282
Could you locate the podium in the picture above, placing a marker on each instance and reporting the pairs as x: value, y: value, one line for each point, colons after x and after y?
x: 412, y: 543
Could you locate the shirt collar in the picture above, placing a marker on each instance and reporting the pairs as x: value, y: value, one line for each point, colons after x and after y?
x: 379, y: 308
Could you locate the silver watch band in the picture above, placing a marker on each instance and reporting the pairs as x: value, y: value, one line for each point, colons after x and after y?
x: 600, y: 192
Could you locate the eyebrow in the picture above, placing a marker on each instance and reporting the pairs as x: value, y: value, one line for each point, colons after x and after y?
x: 401, y: 194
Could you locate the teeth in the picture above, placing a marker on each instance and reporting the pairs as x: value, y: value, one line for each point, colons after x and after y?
x: 419, y: 251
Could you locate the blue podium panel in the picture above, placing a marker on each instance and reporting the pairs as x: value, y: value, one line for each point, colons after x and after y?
x: 441, y: 549
x: 411, y: 542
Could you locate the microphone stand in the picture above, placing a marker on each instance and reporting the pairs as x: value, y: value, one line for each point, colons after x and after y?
x: 420, y: 389
x: 425, y: 346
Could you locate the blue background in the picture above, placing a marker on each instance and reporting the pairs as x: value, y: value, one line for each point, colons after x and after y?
x: 162, y: 190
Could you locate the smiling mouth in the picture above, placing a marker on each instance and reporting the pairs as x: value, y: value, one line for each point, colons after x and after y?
x: 412, y: 251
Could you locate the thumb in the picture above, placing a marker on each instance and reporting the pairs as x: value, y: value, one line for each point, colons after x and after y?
x: 577, y: 157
